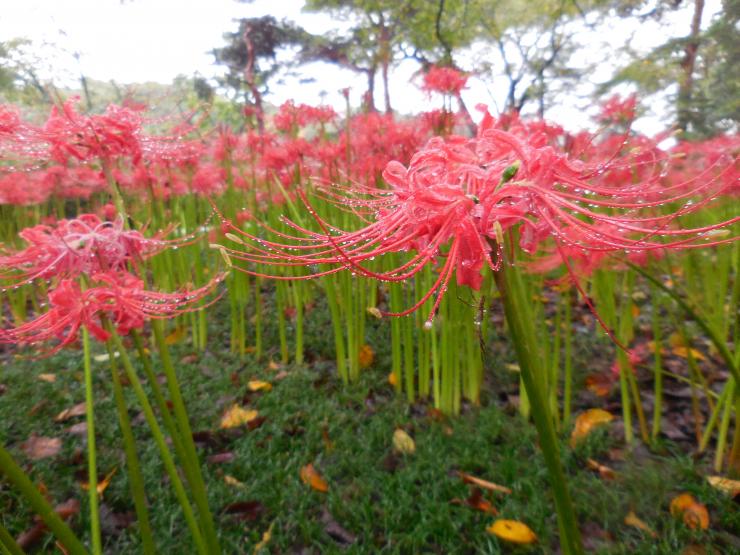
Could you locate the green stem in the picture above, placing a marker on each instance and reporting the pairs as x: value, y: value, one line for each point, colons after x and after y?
x: 92, y: 480
x: 164, y: 451
x: 132, y: 460
x: 41, y: 506
x: 186, y: 434
x: 9, y: 544
x: 523, y: 337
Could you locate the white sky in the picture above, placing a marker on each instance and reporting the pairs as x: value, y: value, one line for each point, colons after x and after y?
x: 155, y: 40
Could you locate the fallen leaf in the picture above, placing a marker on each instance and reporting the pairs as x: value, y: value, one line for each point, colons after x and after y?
x: 233, y: 482
x: 237, y: 416
x: 403, y: 443
x: 244, y: 510
x: 312, y: 478
x: 328, y: 443
x: 485, y: 484
x: 693, y: 513
x: 683, y: 352
x: 374, y: 312
x: 335, y: 530
x: 512, y: 531
x: 102, y: 484
x: 259, y: 385
x: 392, y: 379
x: 731, y: 487
x: 600, y: 384
x: 220, y: 458
x: 48, y: 378
x: 66, y: 414
x: 366, y: 357
x: 272, y: 365
x: 477, y: 501
x: 512, y: 367
x: 281, y: 375
x: 105, y: 357
x: 37, y: 532
x: 604, y: 471
x: 632, y: 520
x: 266, y: 537
x: 586, y: 422
x: 176, y: 335
x: 38, y: 447
x: 79, y: 429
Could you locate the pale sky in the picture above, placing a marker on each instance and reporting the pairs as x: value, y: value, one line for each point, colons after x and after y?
x: 155, y: 40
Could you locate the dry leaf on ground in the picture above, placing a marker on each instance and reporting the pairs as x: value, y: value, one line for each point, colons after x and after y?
x: 512, y: 531
x: 403, y: 443
x: 485, y: 484
x: 237, y: 416
x: 311, y: 477
x: 586, y: 422
x: 39, y: 447
x: 633, y: 520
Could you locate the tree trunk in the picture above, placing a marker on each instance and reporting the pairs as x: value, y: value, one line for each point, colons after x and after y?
x: 369, y: 99
x: 686, y: 83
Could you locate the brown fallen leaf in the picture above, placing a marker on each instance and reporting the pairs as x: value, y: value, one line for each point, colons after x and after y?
x: 693, y: 513
x: 600, y: 384
x: 71, y: 412
x: 366, y: 357
x: 477, y: 501
x: 586, y: 422
x: 259, y: 385
x: 244, y: 510
x: 311, y: 477
x: 485, y: 484
x: 335, y: 530
x: 39, y: 447
x: 328, y: 443
x: 731, y: 487
x: 633, y: 520
x: 403, y: 443
x: 604, y: 471
x: 48, y: 378
x: 37, y: 532
x: 512, y: 531
x: 272, y: 365
x: 237, y: 416
x: 220, y: 458
x: 79, y: 429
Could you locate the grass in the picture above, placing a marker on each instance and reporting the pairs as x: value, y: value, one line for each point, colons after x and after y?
x: 378, y: 501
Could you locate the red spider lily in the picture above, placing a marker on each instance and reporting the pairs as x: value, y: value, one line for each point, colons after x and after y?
x: 444, y: 80
x: 119, y: 296
x: 458, y: 196
x: 84, y: 245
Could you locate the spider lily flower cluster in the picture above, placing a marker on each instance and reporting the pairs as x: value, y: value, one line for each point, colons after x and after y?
x: 457, y: 199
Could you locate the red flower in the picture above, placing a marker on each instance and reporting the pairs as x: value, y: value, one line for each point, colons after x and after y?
x: 121, y: 297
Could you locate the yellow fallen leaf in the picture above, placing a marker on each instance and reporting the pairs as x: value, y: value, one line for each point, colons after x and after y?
x: 392, y: 379
x: 366, y: 356
x: 48, y: 378
x: 266, y: 537
x: 512, y: 367
x: 731, y: 487
x: 587, y: 421
x: 176, y: 335
x: 237, y: 416
x: 635, y: 311
x: 403, y: 443
x: 102, y: 484
x: 372, y: 311
x: 485, y: 484
x: 272, y: 365
x: 693, y: 513
x: 312, y: 478
x: 258, y: 385
x: 633, y: 520
x: 231, y: 481
x: 683, y: 352
x: 512, y: 531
